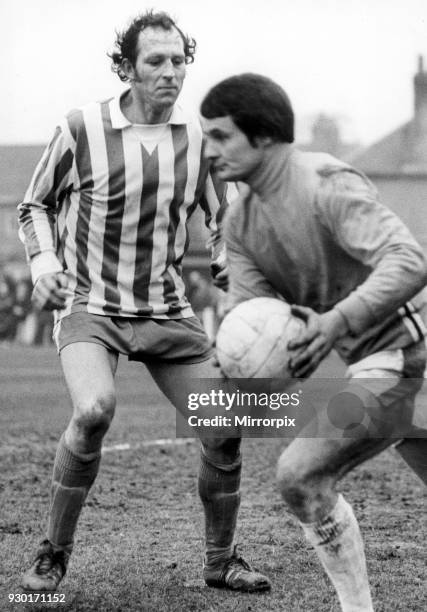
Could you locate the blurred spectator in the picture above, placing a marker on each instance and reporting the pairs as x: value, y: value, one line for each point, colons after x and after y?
x: 36, y: 326
x: 23, y: 308
x: 18, y: 319
x: 44, y: 327
x: 8, y: 318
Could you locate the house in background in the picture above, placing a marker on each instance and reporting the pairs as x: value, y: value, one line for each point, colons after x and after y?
x: 17, y: 164
x: 397, y: 163
x: 326, y: 138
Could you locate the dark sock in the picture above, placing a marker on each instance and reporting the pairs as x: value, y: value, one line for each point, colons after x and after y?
x: 219, y: 491
x: 72, y: 478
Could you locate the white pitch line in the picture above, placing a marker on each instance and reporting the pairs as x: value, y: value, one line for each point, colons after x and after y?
x: 158, y: 442
x: 115, y: 447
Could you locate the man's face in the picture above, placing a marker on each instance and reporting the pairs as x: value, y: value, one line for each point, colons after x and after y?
x: 227, y: 147
x: 159, y: 70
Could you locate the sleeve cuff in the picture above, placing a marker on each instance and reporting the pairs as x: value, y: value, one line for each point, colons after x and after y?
x: 44, y: 263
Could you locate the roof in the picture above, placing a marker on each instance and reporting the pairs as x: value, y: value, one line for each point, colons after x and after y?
x: 17, y: 164
x: 404, y: 151
x: 400, y: 153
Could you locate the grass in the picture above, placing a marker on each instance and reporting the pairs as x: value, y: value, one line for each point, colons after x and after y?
x: 139, y: 545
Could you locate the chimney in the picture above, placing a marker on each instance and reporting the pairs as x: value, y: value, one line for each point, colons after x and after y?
x: 416, y: 146
x: 420, y: 89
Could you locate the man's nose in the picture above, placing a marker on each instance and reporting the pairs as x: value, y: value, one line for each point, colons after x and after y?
x: 169, y: 71
x: 210, y: 151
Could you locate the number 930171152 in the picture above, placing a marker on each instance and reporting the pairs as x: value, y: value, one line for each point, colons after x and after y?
x: 36, y: 597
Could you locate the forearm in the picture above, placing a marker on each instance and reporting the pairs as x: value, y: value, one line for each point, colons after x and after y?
x: 399, y: 276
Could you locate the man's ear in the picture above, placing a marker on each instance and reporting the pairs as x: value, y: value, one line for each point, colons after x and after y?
x: 263, y: 142
x: 128, y: 69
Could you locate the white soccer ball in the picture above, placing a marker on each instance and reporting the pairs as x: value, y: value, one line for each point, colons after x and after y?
x: 253, y: 337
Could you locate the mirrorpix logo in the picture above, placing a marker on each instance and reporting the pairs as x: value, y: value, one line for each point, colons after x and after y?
x: 368, y: 410
x: 346, y: 411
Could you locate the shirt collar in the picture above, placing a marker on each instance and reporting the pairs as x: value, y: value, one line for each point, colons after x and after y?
x: 119, y: 121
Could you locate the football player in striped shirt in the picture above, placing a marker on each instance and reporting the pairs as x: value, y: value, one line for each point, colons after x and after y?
x: 310, y: 229
x: 104, y: 222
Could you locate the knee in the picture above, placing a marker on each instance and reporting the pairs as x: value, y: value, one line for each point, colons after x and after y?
x: 292, y: 484
x: 93, y: 416
x: 224, y: 451
x: 303, y: 489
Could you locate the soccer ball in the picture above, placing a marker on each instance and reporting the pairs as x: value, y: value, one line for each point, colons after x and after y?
x: 253, y: 337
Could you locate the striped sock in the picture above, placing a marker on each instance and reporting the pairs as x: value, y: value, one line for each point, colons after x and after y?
x: 338, y: 543
x: 220, y: 495
x: 73, y: 475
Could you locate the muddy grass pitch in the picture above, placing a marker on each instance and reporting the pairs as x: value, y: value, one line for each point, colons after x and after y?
x: 139, y: 544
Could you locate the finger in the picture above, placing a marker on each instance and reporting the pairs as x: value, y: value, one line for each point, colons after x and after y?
x: 307, y: 334
x: 305, y: 369
x: 305, y: 337
x: 223, y: 286
x: 49, y: 304
x: 301, y: 311
x: 223, y: 274
x: 57, y: 298
x: 312, y: 353
x: 221, y: 280
x: 40, y: 296
x: 53, y: 306
x: 59, y: 293
x: 48, y: 296
x: 45, y: 293
x: 46, y: 284
x: 62, y: 280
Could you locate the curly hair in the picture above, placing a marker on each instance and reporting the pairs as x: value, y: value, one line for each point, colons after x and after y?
x: 257, y: 105
x: 127, y: 41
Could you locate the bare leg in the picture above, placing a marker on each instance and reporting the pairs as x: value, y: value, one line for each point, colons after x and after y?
x: 309, y: 470
x: 88, y: 370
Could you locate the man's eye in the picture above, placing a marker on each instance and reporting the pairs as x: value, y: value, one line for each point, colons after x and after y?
x: 178, y: 61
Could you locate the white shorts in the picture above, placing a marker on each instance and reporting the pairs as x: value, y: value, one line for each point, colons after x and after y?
x: 384, y: 368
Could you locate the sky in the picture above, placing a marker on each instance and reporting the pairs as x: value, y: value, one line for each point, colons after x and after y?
x: 353, y: 59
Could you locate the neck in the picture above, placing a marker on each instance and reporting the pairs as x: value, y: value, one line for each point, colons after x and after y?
x: 266, y: 178
x: 138, y: 110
